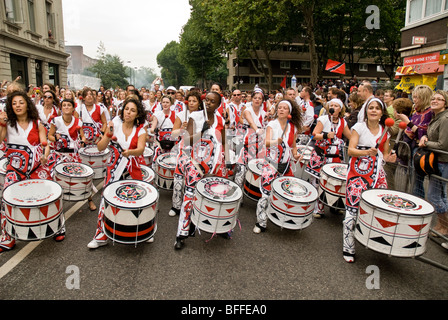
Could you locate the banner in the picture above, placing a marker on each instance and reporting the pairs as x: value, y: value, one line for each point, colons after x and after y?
x: 409, y: 82
x: 335, y: 66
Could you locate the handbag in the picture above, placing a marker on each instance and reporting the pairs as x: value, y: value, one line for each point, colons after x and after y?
x: 426, y: 162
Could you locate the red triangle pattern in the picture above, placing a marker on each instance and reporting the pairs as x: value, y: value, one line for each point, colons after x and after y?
x: 289, y: 206
x: 362, y: 211
x: 418, y: 227
x: 115, y: 210
x: 44, y: 211
x: 230, y: 210
x: 385, y: 223
x: 26, y: 213
x: 209, y: 209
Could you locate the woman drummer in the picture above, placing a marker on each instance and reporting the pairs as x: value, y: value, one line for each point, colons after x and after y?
x: 369, y: 146
x: 207, y: 158
x: 254, y: 124
x: 162, y: 126
x: 92, y: 116
x: 67, y: 136
x: 281, y: 148
x: 328, y: 133
x: 126, y: 138
x: 49, y: 109
x: 27, y: 148
x: 179, y: 130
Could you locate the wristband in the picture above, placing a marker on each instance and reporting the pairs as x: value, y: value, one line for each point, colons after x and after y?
x: 410, y: 125
x: 2, y: 124
x: 325, y: 135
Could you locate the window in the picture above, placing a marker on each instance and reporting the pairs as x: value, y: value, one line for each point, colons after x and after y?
x: 13, y: 11
x: 285, y: 64
x: 50, y: 20
x: 379, y: 68
x: 415, y: 10
x: 32, y: 15
x: 363, y: 67
x: 305, y: 65
x: 433, y: 7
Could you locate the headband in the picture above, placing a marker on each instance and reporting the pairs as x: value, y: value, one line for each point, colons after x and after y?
x: 377, y: 100
x: 288, y: 103
x: 338, y: 101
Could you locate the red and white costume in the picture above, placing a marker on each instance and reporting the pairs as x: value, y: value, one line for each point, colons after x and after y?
x: 91, y: 121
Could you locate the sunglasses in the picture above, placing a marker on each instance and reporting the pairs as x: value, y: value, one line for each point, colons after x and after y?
x: 171, y: 92
x: 48, y: 97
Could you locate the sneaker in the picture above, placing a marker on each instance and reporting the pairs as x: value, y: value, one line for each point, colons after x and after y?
x: 150, y: 240
x: 318, y: 215
x: 179, y: 244
x: 258, y: 229
x: 173, y: 212
x: 94, y: 244
x: 445, y: 245
x: 350, y: 258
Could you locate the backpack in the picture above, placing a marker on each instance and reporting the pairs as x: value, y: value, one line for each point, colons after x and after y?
x: 426, y: 162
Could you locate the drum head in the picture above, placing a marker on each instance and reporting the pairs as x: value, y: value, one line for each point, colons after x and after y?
x: 148, y: 152
x: 130, y: 194
x: 294, y: 189
x: 3, y: 165
x: 219, y: 189
x: 93, y: 151
x: 256, y: 165
x: 148, y: 173
x: 305, y: 151
x: 167, y: 160
x: 397, y: 202
x: 336, y: 170
x: 74, y: 169
x: 32, y: 193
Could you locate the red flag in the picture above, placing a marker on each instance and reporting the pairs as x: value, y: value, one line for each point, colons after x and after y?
x: 335, y: 67
x: 283, y: 84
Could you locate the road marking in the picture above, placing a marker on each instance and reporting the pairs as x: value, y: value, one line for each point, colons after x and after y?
x: 25, y: 251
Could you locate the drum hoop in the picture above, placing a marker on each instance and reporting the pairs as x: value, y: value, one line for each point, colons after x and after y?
x: 101, y: 153
x: 223, y: 200
x: 67, y: 175
x: 41, y: 204
x: 128, y: 208
x: 390, y: 211
x: 284, y: 198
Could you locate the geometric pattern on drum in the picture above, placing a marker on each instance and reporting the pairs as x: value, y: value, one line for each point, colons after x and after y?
x: 34, y: 223
x: 20, y: 158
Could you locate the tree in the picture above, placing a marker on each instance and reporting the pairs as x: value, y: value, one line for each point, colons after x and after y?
x: 173, y: 71
x: 111, y: 70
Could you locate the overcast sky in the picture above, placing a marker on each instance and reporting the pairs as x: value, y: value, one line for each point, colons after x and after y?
x: 135, y: 30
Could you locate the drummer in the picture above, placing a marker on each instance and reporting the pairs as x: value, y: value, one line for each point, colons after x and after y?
x: 126, y: 138
x: 254, y: 124
x: 281, y: 135
x: 328, y: 133
x: 92, y: 116
x: 207, y: 158
x: 365, y: 167
x: 67, y: 135
x: 27, y: 148
x: 162, y: 126
x: 180, y: 126
x: 49, y: 109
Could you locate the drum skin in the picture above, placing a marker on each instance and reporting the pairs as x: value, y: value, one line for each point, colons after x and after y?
x: 333, y: 179
x: 291, y: 203
x: 216, y: 204
x: 76, y: 180
x: 165, y: 167
x: 394, y: 223
x: 299, y: 171
x: 130, y: 211
x: 253, y: 179
x: 96, y: 159
x: 33, y: 209
x: 148, y: 174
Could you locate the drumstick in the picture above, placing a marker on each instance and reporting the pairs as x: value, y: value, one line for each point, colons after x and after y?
x: 402, y: 127
x: 389, y: 123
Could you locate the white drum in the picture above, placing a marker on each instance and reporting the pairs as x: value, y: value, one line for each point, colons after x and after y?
x: 291, y: 203
x: 299, y: 171
x: 216, y: 204
x: 148, y: 174
x: 96, y: 159
x: 130, y: 213
x: 148, y: 154
x: 393, y: 222
x: 165, y: 167
x: 333, y: 179
x: 252, y: 182
x: 33, y: 209
x: 76, y: 180
x: 3, y: 166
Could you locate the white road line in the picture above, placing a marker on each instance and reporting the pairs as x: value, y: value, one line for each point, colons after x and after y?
x: 25, y: 251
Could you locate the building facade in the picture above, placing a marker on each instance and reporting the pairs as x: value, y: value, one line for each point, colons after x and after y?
x: 423, y: 39
x: 32, y: 42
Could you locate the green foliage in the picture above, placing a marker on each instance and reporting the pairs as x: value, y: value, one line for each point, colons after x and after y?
x: 111, y: 70
x: 174, y: 73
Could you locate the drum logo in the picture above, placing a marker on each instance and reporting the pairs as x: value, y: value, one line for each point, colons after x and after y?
x: 73, y: 169
x: 130, y: 192
x: 398, y: 202
x: 217, y: 188
x: 340, y: 170
x: 294, y: 188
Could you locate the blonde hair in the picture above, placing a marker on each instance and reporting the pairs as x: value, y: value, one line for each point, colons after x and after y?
x: 424, y: 93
